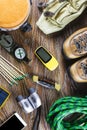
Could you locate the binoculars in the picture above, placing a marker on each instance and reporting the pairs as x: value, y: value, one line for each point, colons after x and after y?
x: 31, y: 102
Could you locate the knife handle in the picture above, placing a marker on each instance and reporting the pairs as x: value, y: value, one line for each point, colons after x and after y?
x: 46, y: 83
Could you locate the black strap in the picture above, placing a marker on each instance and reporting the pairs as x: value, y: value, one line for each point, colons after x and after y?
x: 37, y: 119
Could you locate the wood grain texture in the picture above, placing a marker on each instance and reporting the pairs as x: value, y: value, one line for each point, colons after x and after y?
x: 30, y: 42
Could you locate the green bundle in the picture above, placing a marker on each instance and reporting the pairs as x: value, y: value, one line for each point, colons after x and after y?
x: 65, y: 107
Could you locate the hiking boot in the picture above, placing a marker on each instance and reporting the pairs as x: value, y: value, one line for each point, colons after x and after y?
x: 76, y: 45
x: 78, y: 71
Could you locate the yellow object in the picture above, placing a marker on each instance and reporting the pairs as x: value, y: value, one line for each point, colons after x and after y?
x: 57, y: 86
x: 35, y: 78
x: 61, y: 14
x: 1, y: 105
x: 46, y: 58
x: 13, y: 12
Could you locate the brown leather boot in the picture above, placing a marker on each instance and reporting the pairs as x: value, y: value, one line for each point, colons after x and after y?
x: 78, y: 71
x: 76, y: 45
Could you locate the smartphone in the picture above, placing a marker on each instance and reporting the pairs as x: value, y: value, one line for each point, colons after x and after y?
x: 14, y: 122
x: 4, y: 95
x: 46, y: 58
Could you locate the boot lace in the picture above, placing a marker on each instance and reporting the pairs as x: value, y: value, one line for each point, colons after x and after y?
x: 81, y: 43
x: 84, y: 68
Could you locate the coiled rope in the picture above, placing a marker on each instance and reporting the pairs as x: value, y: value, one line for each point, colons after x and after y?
x: 63, y: 108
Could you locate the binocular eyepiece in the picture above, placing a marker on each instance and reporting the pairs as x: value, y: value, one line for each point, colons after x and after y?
x: 31, y: 102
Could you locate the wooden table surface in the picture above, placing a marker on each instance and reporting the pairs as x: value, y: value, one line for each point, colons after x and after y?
x: 30, y: 41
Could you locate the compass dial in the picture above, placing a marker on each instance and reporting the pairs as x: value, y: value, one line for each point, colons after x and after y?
x: 20, y: 53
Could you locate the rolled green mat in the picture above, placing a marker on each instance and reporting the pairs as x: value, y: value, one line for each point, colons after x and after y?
x: 59, y: 13
x: 63, y: 108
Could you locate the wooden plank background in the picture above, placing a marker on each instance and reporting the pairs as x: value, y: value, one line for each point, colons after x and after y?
x: 30, y: 42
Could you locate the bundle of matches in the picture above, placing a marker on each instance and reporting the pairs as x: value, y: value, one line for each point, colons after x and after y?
x: 9, y: 72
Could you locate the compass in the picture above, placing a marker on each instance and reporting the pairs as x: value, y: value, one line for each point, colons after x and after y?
x: 20, y: 53
x: 7, y: 42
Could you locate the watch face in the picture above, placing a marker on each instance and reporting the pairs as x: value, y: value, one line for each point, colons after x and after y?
x: 20, y: 53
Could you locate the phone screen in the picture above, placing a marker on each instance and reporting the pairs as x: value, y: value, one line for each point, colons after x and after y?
x: 13, y: 123
x: 43, y: 54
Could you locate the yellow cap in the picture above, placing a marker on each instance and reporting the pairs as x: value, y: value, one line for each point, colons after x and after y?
x: 35, y: 78
x: 57, y: 86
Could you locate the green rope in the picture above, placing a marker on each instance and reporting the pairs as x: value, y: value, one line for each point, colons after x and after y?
x: 65, y: 107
